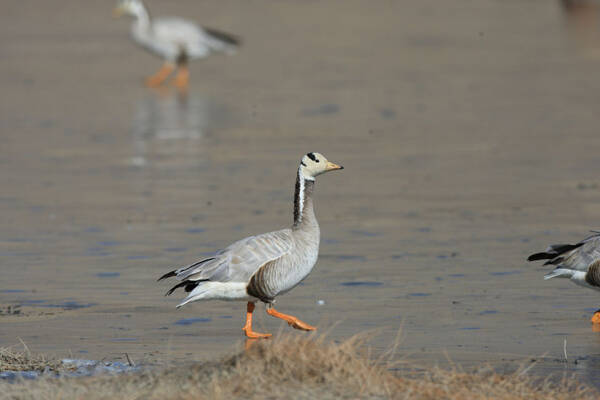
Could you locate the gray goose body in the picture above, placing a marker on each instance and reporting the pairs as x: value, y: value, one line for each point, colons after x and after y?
x: 264, y: 266
x: 283, y: 274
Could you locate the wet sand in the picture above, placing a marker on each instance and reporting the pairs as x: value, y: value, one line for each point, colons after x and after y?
x: 469, y: 135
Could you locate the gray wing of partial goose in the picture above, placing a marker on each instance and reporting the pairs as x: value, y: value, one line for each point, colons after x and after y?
x: 239, y: 261
x: 580, y: 258
x: 577, y: 256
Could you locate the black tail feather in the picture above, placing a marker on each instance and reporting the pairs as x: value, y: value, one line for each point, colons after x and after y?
x: 554, y: 251
x: 228, y: 38
x: 167, y: 275
x: 189, y: 286
x: 555, y: 261
x: 183, y: 269
x: 192, y: 285
x: 541, y: 256
x: 563, y: 248
x: 180, y: 284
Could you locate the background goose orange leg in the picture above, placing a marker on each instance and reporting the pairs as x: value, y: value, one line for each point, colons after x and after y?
x: 248, y: 326
x: 183, y: 77
x: 290, y: 319
x: 159, y: 77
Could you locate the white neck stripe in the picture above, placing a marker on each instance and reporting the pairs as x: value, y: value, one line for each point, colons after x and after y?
x: 300, y: 194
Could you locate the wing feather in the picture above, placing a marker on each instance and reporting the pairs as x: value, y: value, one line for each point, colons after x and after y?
x: 239, y: 261
x: 180, y: 34
x: 583, y: 256
x: 575, y: 257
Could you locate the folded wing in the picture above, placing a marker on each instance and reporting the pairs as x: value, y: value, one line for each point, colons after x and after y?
x: 239, y: 261
x: 577, y: 256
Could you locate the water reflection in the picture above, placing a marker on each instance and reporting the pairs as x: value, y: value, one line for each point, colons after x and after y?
x: 164, y: 122
x: 583, y: 17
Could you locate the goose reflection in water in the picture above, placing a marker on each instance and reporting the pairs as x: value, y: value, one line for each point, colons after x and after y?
x: 169, y: 123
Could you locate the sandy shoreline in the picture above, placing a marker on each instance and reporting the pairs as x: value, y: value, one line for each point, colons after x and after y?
x: 289, y: 366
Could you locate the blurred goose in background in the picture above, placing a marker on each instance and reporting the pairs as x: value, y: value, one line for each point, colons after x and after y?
x: 176, y: 40
x: 264, y: 266
x: 578, y: 262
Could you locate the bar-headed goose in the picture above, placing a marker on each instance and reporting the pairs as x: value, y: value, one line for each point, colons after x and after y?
x: 264, y: 266
x: 578, y: 262
x: 176, y: 40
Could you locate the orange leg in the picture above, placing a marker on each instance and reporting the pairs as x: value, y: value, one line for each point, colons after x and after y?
x: 248, y: 326
x: 163, y: 73
x: 596, y: 317
x: 291, y: 320
x: 183, y: 77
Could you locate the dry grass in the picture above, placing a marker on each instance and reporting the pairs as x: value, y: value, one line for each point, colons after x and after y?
x: 11, y: 360
x: 294, y: 367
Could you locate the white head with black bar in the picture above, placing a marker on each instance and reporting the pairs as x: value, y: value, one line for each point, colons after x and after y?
x: 313, y: 164
x: 133, y: 8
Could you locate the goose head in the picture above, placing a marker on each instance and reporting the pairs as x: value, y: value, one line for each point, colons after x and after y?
x: 133, y: 8
x: 313, y: 164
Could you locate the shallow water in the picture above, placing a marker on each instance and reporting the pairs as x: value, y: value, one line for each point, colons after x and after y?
x: 75, y: 368
x: 469, y: 136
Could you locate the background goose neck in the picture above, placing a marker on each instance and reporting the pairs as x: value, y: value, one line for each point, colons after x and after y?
x: 142, y: 19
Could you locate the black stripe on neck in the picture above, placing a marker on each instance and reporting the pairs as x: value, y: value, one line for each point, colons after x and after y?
x: 302, y: 192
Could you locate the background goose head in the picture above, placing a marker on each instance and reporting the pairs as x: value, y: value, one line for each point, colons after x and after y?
x: 313, y: 164
x: 133, y: 8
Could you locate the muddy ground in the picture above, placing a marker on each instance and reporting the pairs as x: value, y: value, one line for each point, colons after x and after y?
x: 469, y: 135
